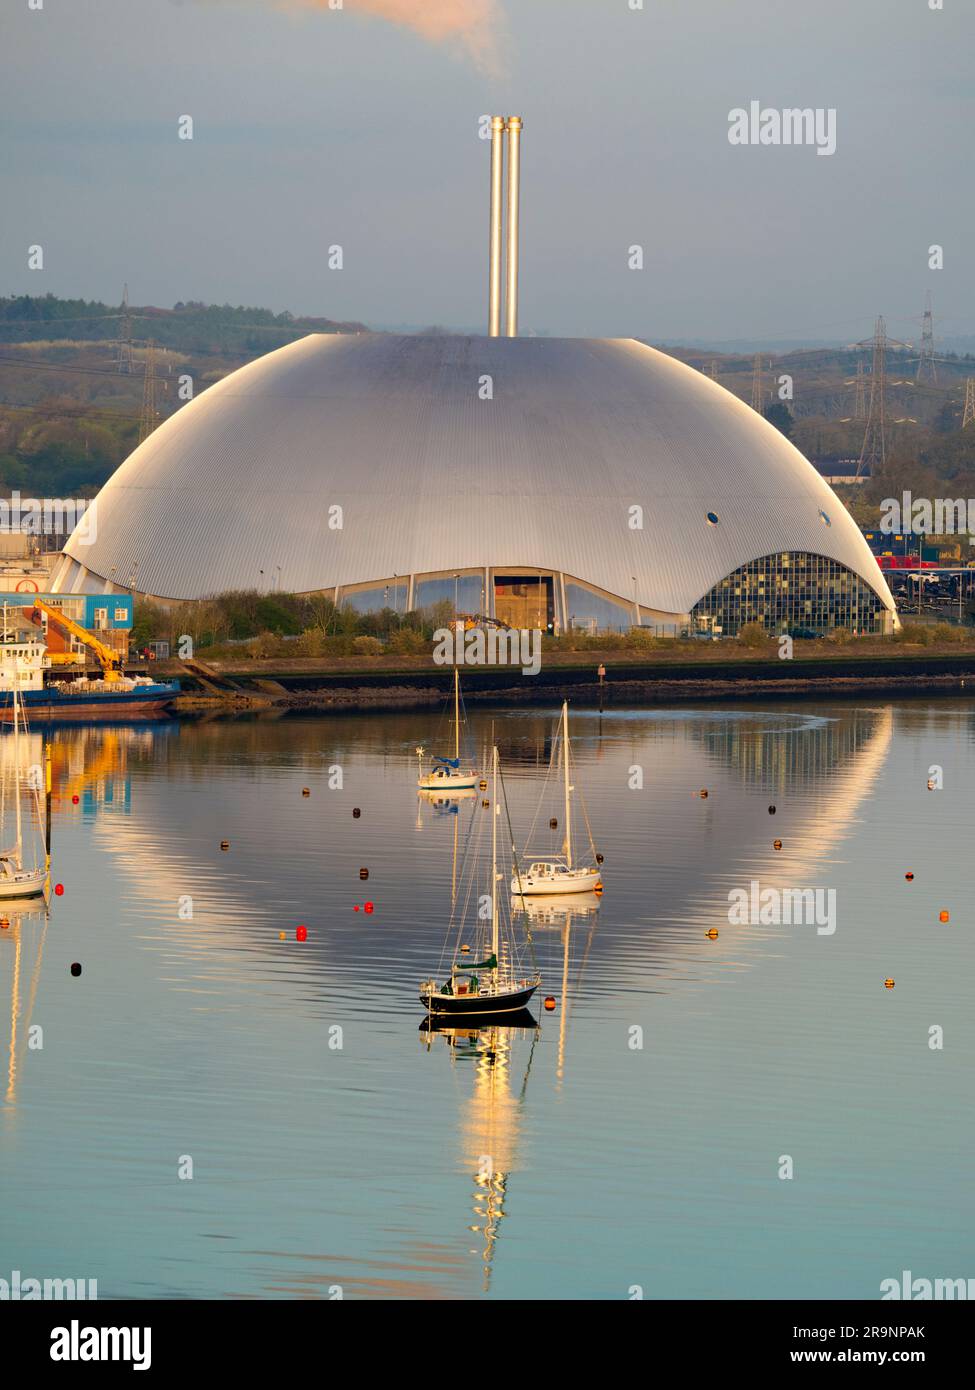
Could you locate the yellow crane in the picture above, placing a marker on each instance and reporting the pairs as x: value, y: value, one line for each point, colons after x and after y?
x: 106, y: 657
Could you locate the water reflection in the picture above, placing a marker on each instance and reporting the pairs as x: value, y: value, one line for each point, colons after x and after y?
x: 196, y: 1028
x: 23, y: 932
x: 490, y: 1113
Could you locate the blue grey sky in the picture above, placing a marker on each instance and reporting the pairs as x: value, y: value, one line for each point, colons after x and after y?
x: 315, y: 126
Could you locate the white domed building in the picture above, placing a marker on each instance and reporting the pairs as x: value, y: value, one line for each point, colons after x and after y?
x: 544, y: 482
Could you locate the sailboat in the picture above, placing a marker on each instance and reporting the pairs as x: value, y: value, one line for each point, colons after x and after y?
x: 493, y: 984
x: 447, y: 775
x: 16, y: 880
x: 560, y: 874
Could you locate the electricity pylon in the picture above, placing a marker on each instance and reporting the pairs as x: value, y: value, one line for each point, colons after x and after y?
x: 873, y: 455
x: 969, y: 413
x: 757, y: 386
x: 123, y: 346
x: 926, y: 369
x: 150, y: 413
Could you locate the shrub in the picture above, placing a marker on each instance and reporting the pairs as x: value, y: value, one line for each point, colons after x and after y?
x: 367, y: 646
x: 407, y: 641
x: 753, y: 635
x: 914, y: 634
x: 947, y: 632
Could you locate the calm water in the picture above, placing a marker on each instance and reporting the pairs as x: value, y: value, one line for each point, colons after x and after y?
x: 363, y: 1166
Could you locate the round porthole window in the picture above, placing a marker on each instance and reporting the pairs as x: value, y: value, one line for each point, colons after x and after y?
x: 713, y: 518
x: 824, y: 518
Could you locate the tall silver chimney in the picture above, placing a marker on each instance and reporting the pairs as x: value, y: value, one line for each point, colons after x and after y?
x: 494, y: 267
x: 501, y: 126
x: 514, y: 124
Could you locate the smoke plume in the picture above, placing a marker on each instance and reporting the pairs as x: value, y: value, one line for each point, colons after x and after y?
x: 475, y: 26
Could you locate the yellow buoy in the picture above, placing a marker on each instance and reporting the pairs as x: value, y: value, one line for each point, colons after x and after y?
x: 550, y: 1002
x: 888, y: 984
x: 713, y: 934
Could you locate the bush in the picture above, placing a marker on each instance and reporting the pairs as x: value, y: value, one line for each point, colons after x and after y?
x: 914, y: 634
x: 367, y: 646
x: 408, y: 642
x: 753, y: 635
x: 947, y: 632
x: 841, y: 635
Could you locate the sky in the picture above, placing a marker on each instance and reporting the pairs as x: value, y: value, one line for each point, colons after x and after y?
x: 358, y: 126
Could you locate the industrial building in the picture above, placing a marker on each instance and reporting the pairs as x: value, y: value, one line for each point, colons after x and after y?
x: 557, y: 483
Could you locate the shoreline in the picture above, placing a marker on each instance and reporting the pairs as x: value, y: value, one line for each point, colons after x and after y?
x: 241, y: 689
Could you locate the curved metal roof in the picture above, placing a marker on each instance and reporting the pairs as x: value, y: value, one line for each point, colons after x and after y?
x: 431, y: 477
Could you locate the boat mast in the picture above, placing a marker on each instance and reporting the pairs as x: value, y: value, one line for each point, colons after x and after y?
x: 17, y: 771
x: 567, y: 847
x: 456, y: 714
x: 47, y: 806
x: 494, y: 857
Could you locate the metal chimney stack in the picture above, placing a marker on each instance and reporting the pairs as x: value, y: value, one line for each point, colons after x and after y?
x: 512, y: 127
x: 494, y: 267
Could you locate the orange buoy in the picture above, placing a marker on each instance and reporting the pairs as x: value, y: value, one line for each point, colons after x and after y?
x: 704, y: 793
x: 598, y: 889
x: 776, y: 844
x: 888, y: 984
x: 224, y: 844
x: 550, y: 1002
x: 712, y: 935
x: 464, y: 950
x: 306, y: 791
x: 4, y: 922
x: 909, y: 876
x: 363, y: 873
x: 482, y: 784
x: 942, y: 916
x: 281, y: 936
